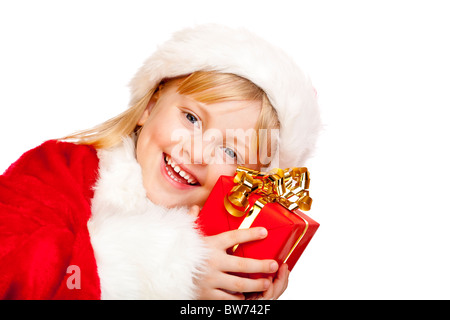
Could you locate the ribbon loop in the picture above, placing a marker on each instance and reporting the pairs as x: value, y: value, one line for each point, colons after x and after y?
x: 287, y: 187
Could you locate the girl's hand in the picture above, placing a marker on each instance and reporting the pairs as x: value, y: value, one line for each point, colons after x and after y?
x: 275, y: 290
x: 216, y: 283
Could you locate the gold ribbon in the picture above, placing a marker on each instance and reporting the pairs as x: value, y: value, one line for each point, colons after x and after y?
x: 287, y: 187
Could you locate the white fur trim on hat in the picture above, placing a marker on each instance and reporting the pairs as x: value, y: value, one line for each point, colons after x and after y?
x: 218, y: 48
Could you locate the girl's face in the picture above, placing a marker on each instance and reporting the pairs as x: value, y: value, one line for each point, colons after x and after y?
x: 179, y: 164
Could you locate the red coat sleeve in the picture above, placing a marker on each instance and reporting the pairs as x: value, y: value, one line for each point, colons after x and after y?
x: 45, y: 249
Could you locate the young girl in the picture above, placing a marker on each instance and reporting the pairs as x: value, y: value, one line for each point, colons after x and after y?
x: 110, y: 212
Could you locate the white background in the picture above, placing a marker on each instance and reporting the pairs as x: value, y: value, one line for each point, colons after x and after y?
x: 381, y: 171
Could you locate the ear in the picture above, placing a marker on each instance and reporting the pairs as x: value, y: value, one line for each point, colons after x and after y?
x: 148, y: 109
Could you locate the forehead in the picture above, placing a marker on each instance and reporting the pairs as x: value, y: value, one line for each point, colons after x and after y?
x: 232, y: 114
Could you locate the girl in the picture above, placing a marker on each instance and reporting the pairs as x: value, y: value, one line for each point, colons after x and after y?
x: 110, y: 212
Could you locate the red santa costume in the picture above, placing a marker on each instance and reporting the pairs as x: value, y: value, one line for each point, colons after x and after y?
x: 75, y: 222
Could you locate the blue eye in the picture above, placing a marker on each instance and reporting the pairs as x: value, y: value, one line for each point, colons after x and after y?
x: 229, y: 152
x: 191, y: 118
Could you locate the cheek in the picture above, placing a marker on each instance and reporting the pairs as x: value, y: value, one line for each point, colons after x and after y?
x: 156, y: 134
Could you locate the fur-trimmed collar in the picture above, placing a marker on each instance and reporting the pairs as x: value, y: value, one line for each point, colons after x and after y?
x: 143, y: 251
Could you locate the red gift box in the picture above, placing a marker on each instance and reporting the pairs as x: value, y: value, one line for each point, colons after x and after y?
x: 289, y: 231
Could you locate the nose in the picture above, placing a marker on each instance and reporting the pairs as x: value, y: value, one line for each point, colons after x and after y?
x: 195, y: 149
x: 191, y: 145
x: 201, y: 148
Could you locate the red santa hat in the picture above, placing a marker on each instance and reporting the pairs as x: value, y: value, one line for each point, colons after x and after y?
x: 238, y: 51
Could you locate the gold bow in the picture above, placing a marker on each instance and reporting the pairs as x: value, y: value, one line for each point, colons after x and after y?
x: 287, y: 187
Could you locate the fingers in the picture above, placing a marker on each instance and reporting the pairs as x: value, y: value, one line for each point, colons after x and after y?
x: 228, y: 239
x: 269, y: 293
x: 282, y: 280
x: 230, y: 295
x: 230, y: 263
x: 234, y: 283
x: 279, y: 284
x: 219, y: 294
x: 247, y: 265
x: 218, y: 278
x: 218, y: 283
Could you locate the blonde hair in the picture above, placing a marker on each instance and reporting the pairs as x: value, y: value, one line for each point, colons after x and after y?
x: 206, y: 87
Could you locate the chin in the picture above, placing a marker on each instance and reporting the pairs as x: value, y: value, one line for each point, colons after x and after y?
x: 170, y: 201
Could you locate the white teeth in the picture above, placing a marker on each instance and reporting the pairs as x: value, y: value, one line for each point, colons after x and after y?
x: 177, y: 169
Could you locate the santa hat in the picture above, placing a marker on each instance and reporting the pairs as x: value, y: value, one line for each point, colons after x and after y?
x: 227, y: 50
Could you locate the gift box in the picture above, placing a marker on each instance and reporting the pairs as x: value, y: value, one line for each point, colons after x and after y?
x: 257, y: 199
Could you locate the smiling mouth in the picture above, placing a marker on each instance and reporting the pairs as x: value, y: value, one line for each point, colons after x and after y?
x: 177, y: 174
